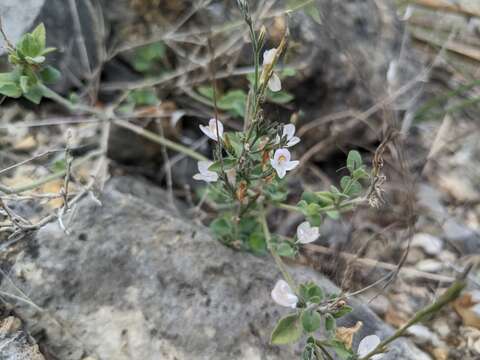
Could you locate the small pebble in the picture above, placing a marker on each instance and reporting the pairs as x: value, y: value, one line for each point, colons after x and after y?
x: 432, y: 245
x: 429, y: 265
x: 423, y: 335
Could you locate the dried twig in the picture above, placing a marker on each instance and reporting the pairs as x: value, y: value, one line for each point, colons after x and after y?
x: 406, y: 271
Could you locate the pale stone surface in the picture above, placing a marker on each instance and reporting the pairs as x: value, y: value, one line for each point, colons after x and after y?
x: 134, y: 282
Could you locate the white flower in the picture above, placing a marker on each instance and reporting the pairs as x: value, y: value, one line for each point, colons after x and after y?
x: 205, y: 174
x: 268, y: 56
x: 289, y: 133
x: 307, y: 233
x: 283, y: 295
x: 274, y: 83
x: 281, y: 162
x: 211, y: 129
x: 367, y: 344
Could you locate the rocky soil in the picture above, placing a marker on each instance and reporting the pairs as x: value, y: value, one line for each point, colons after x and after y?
x: 131, y: 281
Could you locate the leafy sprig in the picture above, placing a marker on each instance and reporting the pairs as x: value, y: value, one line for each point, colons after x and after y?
x: 29, y: 72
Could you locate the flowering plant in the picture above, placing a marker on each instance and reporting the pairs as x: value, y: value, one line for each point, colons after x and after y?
x: 246, y: 177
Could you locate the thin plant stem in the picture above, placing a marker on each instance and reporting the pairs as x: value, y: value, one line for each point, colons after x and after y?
x: 452, y: 293
x: 325, y: 209
x: 278, y: 261
x: 104, y: 115
x: 159, y: 139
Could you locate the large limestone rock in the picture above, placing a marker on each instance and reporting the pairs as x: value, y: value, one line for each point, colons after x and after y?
x: 131, y: 281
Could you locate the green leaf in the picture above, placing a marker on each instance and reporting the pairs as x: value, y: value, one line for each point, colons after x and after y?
x: 334, y: 190
x: 340, y: 349
x: 309, y: 197
x: 354, y: 160
x: 40, y: 36
x: 146, y: 57
x: 206, y: 91
x: 360, y: 173
x: 315, y: 220
x: 344, y: 182
x: 58, y: 165
x: 9, y: 77
x: 49, y: 75
x: 249, y: 225
x: 280, y: 97
x: 309, y: 353
x: 313, y: 209
x: 233, y: 101
x: 285, y: 249
x: 228, y: 163
x: 288, y: 330
x: 234, y: 140
x: 143, y: 97
x: 310, y: 320
x: 288, y: 71
x: 11, y: 90
x: 257, y: 243
x: 34, y: 94
x: 334, y: 214
x: 342, y: 312
x: 350, y: 186
x: 48, y: 50
x: 311, y: 293
x: 325, y: 198
x: 315, y: 294
x: 221, y: 227
x: 330, y: 323
x: 29, y: 46
x: 354, y: 189
x: 276, y: 193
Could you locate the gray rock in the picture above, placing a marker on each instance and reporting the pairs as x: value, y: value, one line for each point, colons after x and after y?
x: 133, y: 282
x: 461, y: 236
x: 18, y: 17
x: 15, y: 343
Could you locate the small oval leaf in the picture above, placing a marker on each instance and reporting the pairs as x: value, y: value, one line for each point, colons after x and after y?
x: 287, y: 331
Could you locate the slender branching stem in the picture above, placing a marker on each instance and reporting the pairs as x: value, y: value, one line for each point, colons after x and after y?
x: 452, y: 293
x: 108, y: 115
x: 278, y: 261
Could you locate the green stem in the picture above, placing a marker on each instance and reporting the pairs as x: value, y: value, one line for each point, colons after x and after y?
x: 49, y: 93
x: 278, y: 261
x: 159, y: 139
x: 338, y: 207
x: 450, y: 294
